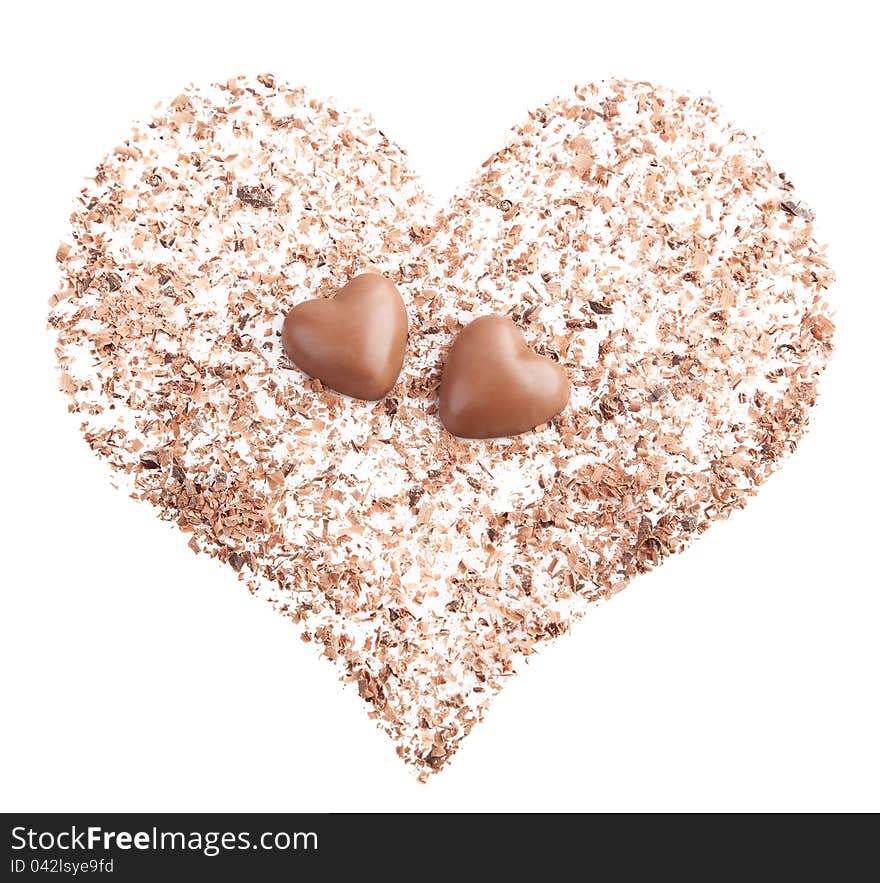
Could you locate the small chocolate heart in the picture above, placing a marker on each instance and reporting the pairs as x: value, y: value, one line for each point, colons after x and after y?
x: 352, y: 342
x: 494, y: 385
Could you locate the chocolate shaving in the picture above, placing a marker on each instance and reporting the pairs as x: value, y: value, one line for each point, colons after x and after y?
x: 798, y: 208
x: 150, y: 460
x: 259, y: 197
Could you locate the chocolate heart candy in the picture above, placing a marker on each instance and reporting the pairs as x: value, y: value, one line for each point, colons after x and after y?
x: 352, y: 342
x: 494, y: 385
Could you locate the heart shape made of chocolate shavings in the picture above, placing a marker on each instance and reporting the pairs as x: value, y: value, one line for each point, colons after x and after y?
x: 630, y: 232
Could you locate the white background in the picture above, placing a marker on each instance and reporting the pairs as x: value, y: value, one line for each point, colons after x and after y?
x: 742, y: 675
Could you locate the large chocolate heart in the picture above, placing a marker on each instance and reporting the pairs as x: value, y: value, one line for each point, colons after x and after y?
x: 629, y: 231
x: 354, y: 341
x: 494, y: 385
